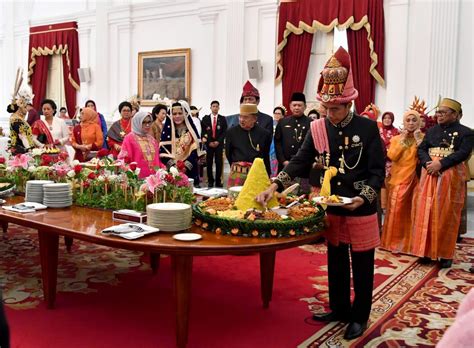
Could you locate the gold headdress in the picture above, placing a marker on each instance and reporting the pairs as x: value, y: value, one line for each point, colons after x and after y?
x: 135, y: 101
x: 21, y: 95
x: 419, y: 106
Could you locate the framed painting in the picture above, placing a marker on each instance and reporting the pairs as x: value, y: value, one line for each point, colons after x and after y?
x: 164, y: 74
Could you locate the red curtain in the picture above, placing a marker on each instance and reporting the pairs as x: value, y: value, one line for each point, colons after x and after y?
x: 308, y: 16
x: 296, y: 56
x: 45, y: 41
x: 359, y: 50
x: 360, y: 62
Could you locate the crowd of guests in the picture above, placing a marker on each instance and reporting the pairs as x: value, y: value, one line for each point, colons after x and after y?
x: 416, y: 173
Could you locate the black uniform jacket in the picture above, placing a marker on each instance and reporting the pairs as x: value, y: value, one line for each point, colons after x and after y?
x: 461, y: 137
x: 241, y: 145
x: 359, y: 140
x: 289, y: 135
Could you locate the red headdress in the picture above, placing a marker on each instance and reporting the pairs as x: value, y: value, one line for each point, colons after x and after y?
x: 336, y: 84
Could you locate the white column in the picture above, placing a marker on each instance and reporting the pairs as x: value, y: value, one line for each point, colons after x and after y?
x: 443, y: 50
x: 85, y: 48
x: 393, y: 97
x: 7, y: 74
x: 234, y: 73
x: 208, y: 20
x: 125, y: 87
x: 266, y: 39
x: 101, y: 71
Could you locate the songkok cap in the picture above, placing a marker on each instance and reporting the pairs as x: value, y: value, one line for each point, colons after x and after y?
x: 451, y: 103
x: 298, y: 96
x: 250, y: 91
x: 248, y: 109
x: 336, y: 84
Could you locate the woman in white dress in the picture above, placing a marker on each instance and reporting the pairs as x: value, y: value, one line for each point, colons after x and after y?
x: 50, y: 131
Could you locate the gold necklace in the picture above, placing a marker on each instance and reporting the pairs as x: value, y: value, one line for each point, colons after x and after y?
x: 300, y: 137
x: 251, y: 143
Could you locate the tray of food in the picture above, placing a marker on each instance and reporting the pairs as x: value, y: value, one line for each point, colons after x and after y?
x: 332, y: 200
x: 221, y: 216
x: 6, y: 187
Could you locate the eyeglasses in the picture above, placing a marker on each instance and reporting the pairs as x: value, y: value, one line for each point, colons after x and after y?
x: 443, y: 112
x: 147, y: 123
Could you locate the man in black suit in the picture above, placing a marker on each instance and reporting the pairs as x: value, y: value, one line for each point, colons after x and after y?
x: 214, y: 127
x: 251, y: 95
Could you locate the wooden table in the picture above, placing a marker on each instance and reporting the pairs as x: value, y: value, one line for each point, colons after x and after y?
x: 86, y: 224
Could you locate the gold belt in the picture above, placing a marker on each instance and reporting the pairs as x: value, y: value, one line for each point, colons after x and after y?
x: 440, y: 151
x: 236, y: 168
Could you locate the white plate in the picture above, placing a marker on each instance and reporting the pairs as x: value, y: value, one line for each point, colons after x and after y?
x: 169, y: 206
x: 345, y: 200
x: 39, y: 182
x: 187, y: 237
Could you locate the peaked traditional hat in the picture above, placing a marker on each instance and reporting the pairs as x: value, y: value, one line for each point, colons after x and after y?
x: 336, y: 84
x: 250, y: 91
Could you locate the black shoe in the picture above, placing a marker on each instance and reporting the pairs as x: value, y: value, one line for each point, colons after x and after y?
x: 445, y: 263
x: 355, y: 330
x: 425, y: 260
x: 219, y: 185
x: 471, y: 269
x: 330, y: 316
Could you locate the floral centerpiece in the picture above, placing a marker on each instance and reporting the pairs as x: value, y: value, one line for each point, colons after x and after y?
x: 108, y: 184
x: 172, y: 186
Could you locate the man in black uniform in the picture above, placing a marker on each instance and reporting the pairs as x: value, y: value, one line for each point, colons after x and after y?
x: 244, y: 143
x: 442, y: 155
x: 214, y: 127
x: 353, y: 157
x: 291, y: 130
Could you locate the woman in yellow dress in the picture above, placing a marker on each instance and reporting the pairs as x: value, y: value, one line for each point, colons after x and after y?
x: 402, y: 185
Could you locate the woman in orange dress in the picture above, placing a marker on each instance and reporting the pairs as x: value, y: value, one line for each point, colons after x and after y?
x: 87, y: 136
x: 402, y: 185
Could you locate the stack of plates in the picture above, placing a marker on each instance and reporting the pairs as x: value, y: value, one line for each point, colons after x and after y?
x: 57, y: 195
x: 34, y: 190
x: 169, y: 217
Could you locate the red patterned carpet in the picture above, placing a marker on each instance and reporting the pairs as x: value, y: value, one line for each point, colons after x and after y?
x: 109, y: 298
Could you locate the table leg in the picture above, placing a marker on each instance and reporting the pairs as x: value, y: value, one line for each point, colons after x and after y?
x: 154, y: 262
x: 48, y: 245
x: 267, y: 269
x: 4, y: 226
x: 182, y: 272
x: 68, y: 241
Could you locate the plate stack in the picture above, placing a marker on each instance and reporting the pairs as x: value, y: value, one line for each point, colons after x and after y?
x: 34, y: 190
x: 57, y: 195
x: 169, y: 217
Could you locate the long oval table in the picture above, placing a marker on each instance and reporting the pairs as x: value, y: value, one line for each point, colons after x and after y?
x: 86, y: 224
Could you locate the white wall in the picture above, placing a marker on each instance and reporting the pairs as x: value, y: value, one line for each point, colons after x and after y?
x: 222, y: 36
x: 428, y: 52
x: 428, y: 48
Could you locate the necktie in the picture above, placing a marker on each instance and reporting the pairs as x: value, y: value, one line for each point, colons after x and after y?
x: 214, y: 124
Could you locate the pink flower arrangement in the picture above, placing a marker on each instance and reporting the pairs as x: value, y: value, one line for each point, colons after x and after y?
x: 20, y: 161
x: 155, y: 181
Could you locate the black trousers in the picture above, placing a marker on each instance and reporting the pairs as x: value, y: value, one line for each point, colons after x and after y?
x: 339, y: 276
x: 214, y: 154
x: 4, y: 331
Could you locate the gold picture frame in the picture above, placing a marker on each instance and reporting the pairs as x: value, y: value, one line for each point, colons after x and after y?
x: 166, y: 73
